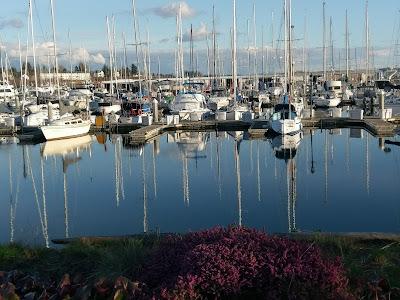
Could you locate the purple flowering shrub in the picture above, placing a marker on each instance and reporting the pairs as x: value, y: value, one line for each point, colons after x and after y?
x: 241, y: 263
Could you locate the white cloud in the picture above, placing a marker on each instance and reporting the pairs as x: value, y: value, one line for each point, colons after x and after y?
x: 13, y: 23
x: 172, y: 9
x: 98, y: 59
x: 199, y: 34
x: 44, y: 51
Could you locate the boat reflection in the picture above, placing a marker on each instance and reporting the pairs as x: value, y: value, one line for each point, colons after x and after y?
x: 285, y: 147
x: 191, y: 145
x: 70, y: 151
x: 66, y: 147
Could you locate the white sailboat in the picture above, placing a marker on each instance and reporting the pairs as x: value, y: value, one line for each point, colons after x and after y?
x: 235, y: 111
x: 67, y: 126
x: 285, y: 119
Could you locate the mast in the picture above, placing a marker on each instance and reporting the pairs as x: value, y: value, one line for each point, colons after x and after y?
x: 110, y: 55
x: 70, y: 52
x: 135, y: 29
x: 125, y: 58
x: 285, y: 46
x: 331, y: 48
x: 214, y: 52
x: 290, y: 32
x: 55, y: 48
x: 234, y: 54
x: 33, y: 46
x: 366, y: 41
x: 149, y: 62
x: 304, y: 57
x: 255, y: 48
x: 347, y: 47
x: 324, y: 39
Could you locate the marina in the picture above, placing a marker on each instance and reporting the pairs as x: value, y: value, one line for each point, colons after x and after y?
x: 226, y: 149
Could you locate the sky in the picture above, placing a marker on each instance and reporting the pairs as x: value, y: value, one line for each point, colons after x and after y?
x: 86, y: 22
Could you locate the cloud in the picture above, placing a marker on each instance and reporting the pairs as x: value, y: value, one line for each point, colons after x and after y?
x: 13, y: 23
x: 44, y: 51
x: 199, y: 34
x: 172, y: 9
x: 98, y: 59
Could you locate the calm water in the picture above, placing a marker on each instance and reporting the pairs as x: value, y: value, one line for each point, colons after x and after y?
x: 331, y: 181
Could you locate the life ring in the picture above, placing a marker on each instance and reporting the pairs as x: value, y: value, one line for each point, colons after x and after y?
x: 139, y: 112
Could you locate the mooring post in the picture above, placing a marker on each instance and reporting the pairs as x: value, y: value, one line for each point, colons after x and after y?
x: 155, y: 110
x: 382, y: 104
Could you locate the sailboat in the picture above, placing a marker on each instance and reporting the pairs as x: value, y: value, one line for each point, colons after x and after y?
x: 285, y: 119
x: 67, y: 126
x: 189, y: 103
x: 218, y: 98
x: 235, y: 111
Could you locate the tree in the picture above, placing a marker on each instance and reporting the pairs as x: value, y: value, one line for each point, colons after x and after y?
x: 106, y: 70
x: 62, y: 69
x: 134, y: 69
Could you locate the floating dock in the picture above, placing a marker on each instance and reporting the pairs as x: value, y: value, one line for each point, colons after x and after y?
x: 259, y: 129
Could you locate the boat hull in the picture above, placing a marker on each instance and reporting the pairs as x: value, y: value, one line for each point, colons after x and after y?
x: 322, y: 102
x: 288, y: 126
x: 57, y: 132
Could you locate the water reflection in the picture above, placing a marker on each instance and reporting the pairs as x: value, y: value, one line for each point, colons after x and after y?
x: 331, y: 180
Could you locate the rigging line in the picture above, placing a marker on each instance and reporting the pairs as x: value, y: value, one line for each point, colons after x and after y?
x: 44, y: 36
x: 45, y: 236
x: 43, y: 195
x: 65, y: 205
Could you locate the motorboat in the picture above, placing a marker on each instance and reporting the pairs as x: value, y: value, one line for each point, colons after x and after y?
x: 188, y: 104
x: 7, y: 91
x: 218, y: 100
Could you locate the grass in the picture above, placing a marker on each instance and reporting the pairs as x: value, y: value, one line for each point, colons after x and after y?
x: 90, y: 259
x: 364, y: 259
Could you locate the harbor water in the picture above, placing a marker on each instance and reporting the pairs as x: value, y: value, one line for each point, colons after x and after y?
x: 341, y: 180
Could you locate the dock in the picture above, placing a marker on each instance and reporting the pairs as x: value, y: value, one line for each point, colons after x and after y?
x: 144, y: 134
x: 258, y: 129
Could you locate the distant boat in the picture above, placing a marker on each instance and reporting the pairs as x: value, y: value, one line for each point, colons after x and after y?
x: 285, y: 120
x: 66, y: 127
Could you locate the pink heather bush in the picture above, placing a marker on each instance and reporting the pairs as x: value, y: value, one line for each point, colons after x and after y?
x: 242, y: 263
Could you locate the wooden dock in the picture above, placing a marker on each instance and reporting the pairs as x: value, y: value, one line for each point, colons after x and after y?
x: 144, y: 134
x: 376, y: 126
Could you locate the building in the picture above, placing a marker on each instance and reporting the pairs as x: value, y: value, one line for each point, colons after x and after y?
x: 66, y: 76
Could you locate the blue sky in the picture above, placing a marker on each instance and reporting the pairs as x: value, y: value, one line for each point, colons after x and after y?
x: 86, y: 21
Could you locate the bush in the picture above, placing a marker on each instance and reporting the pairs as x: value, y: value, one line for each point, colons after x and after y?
x: 241, y: 263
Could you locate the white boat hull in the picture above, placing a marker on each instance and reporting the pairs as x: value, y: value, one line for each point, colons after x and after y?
x: 287, y: 126
x: 323, y: 102
x: 56, y: 132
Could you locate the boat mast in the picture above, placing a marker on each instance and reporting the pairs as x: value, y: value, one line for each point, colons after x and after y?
x: 290, y: 58
x: 110, y: 57
x: 33, y: 47
x: 304, y: 57
x: 255, y: 48
x: 347, y: 47
x: 214, y: 53
x: 70, y: 52
x: 55, y: 48
x: 286, y: 47
x: 234, y: 54
x: 135, y: 30
x: 366, y: 41
x: 324, y: 39
x: 331, y: 49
